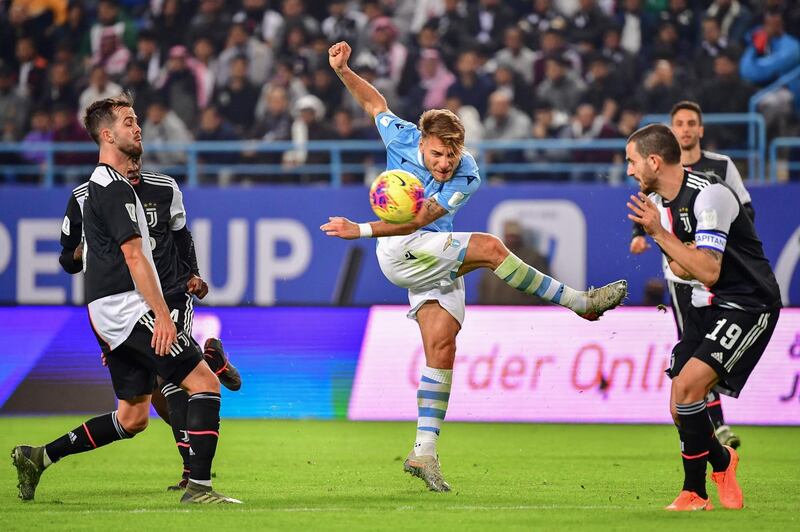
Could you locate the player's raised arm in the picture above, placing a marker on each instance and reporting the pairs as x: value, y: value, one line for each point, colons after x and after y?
x: 364, y: 93
x: 343, y: 228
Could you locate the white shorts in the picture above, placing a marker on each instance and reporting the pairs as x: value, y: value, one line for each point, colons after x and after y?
x: 426, y: 263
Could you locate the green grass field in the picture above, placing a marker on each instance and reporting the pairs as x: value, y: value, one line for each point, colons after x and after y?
x: 348, y: 476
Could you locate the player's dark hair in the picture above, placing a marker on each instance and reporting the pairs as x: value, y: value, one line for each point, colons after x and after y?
x: 689, y: 106
x: 657, y: 139
x: 444, y: 125
x: 103, y: 112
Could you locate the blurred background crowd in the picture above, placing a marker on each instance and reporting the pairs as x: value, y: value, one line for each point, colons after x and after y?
x: 511, y: 69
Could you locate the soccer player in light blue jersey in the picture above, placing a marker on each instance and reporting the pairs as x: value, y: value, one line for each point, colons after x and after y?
x: 429, y: 259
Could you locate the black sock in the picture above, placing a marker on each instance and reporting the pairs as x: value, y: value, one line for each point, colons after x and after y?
x: 95, y: 433
x: 714, y: 405
x: 202, y: 423
x: 178, y: 406
x: 718, y: 456
x: 695, y: 426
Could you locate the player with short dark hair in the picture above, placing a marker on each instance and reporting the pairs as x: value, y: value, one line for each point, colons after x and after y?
x: 176, y: 266
x: 706, y: 236
x: 130, y: 319
x: 429, y: 259
x: 687, y: 125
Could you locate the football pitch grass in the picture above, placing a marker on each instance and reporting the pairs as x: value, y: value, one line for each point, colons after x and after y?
x: 321, y: 475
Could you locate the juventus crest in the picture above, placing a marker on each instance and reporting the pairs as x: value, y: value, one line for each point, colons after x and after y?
x: 684, y: 215
x: 151, y: 214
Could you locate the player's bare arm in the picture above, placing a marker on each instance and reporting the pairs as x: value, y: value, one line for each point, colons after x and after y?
x: 164, y: 332
x: 697, y: 263
x: 364, y: 93
x: 344, y: 228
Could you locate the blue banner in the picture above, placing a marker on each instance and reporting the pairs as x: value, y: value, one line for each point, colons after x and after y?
x: 263, y: 246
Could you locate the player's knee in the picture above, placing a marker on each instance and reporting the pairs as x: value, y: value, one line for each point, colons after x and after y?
x: 687, y: 390
x: 134, y: 422
x: 496, y: 250
x: 201, y: 379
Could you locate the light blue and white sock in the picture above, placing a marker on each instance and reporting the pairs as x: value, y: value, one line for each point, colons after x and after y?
x: 529, y: 280
x: 433, y: 395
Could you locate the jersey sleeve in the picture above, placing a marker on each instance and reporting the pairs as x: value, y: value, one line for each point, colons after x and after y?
x: 734, y: 180
x: 72, y: 226
x: 456, y: 192
x: 715, y: 209
x: 118, y: 206
x: 177, y: 212
x: 390, y: 127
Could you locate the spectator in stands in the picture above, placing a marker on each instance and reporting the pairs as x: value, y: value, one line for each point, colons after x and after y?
x: 38, y: 20
x: 262, y: 20
x: 684, y: 19
x: 733, y: 16
x: 505, y: 78
x: 470, y: 118
x: 725, y: 92
x: 328, y: 89
x: 539, y: 20
x: 487, y: 22
x: 629, y: 119
x: 111, y: 54
x: 100, y: 87
x: 212, y: 21
x: 427, y: 38
x: 494, y: 291
x: 470, y: 87
x: 170, y: 25
x: 111, y: 17
x: 624, y: 63
x: 344, y: 128
x: 308, y: 125
x: 285, y: 78
x: 238, y: 98
x: 213, y: 127
x: 343, y: 24
x: 553, y: 44
x: 636, y: 26
x: 387, y: 48
x: 516, y: 55
x: 434, y: 80
x: 297, y: 51
x: 66, y: 128
x: 604, y: 88
x: 668, y: 45
x: 562, y: 87
x: 40, y: 131
x: 13, y: 107
x: 259, y: 56
x: 135, y: 82
x: 661, y: 89
x: 505, y: 122
x: 149, y: 53
x: 60, y: 88
x: 32, y: 71
x: 205, y: 68
x: 587, y: 124
x: 164, y: 126
x: 771, y: 53
x: 179, y: 86
x: 710, y: 47
x: 74, y: 33
x: 294, y: 14
x: 451, y: 26
x: 273, y: 119
x: 588, y: 23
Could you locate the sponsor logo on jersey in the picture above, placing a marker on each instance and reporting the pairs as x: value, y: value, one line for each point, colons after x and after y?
x: 708, y: 219
x: 717, y: 356
x: 457, y: 198
x: 131, y: 211
x: 65, y: 226
x: 684, y: 216
x: 385, y: 121
x: 151, y: 214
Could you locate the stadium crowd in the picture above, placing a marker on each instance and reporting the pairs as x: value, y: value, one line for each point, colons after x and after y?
x: 511, y: 69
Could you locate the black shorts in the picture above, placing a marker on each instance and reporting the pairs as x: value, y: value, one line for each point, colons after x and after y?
x: 134, y: 365
x: 680, y: 297
x: 730, y: 341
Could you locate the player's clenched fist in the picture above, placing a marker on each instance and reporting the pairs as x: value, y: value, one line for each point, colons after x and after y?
x: 341, y: 227
x: 338, y: 54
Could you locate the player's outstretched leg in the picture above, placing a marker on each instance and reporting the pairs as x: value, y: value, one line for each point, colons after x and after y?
x: 589, y: 304
x: 202, y: 426
x: 221, y: 365
x: 725, y: 435
x: 31, y: 461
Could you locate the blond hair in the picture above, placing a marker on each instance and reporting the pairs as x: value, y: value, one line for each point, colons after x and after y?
x: 444, y: 125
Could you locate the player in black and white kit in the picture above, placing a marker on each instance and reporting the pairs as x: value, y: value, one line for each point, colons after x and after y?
x: 687, y: 125
x: 706, y: 236
x: 176, y: 265
x: 130, y: 319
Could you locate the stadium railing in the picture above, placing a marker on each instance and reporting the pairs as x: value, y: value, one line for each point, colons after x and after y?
x: 530, y: 159
x: 756, y: 149
x: 784, y: 165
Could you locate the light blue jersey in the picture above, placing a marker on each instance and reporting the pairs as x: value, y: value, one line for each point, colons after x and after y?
x: 402, y: 152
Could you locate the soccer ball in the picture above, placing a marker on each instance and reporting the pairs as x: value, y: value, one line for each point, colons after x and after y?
x: 396, y: 196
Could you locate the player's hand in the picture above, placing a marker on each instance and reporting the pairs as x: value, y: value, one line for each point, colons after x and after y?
x: 645, y: 213
x: 164, y: 334
x: 197, y: 286
x: 338, y: 54
x: 103, y: 360
x: 341, y: 227
x: 77, y: 255
x: 639, y: 245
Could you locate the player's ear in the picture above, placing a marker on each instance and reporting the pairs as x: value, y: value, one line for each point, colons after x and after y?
x: 702, y: 130
x: 105, y: 135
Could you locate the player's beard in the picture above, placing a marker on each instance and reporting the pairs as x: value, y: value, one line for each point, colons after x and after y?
x: 691, y: 145
x: 131, y: 148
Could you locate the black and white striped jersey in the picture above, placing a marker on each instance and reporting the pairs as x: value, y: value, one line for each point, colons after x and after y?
x: 165, y: 214
x: 112, y: 215
x: 722, y: 167
x: 708, y: 213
